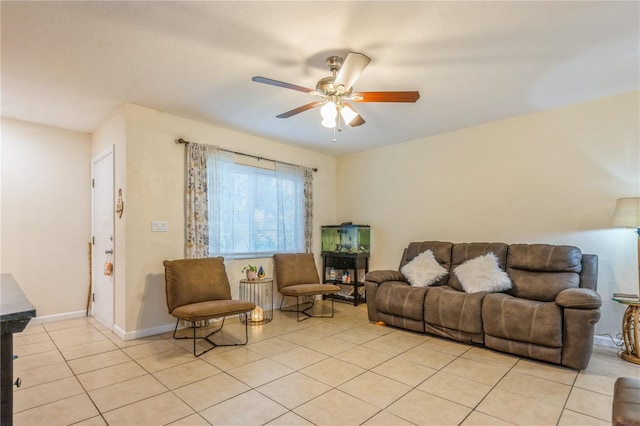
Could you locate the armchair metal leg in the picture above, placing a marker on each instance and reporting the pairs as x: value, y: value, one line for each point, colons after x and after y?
x: 195, y: 338
x: 299, y: 311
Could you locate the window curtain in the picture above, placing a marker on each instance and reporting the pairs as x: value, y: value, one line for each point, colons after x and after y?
x: 197, y: 199
x: 290, y: 217
x: 308, y: 210
x: 295, y: 210
x: 210, y: 187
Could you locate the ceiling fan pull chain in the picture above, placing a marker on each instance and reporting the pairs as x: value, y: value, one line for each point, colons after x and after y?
x: 334, y: 135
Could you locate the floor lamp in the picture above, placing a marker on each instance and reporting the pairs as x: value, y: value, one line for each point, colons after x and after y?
x: 627, y: 215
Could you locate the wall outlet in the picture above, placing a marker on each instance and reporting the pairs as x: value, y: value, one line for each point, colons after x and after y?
x: 157, y: 226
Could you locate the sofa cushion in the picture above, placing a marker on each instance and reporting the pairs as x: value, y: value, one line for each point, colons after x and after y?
x: 423, y: 270
x: 482, y: 273
x: 441, y: 251
x: 454, y: 309
x: 522, y: 320
x: 541, y: 271
x: 461, y: 252
x: 399, y: 298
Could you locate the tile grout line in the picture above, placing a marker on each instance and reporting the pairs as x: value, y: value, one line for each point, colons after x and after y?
x: 76, y: 376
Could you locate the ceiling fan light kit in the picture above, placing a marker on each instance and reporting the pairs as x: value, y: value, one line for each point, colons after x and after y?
x: 329, y: 112
x: 338, y: 88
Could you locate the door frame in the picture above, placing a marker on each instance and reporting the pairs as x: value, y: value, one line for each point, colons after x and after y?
x: 95, y: 270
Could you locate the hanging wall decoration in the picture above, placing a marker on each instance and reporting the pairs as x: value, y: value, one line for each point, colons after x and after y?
x: 119, y: 204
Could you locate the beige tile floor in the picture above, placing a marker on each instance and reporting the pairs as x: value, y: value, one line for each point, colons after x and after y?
x: 339, y: 371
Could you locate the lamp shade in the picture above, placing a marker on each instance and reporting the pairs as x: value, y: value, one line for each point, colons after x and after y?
x: 627, y: 214
x: 348, y: 114
x: 328, y: 111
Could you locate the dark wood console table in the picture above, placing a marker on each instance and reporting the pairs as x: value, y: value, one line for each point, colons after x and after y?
x: 15, y: 313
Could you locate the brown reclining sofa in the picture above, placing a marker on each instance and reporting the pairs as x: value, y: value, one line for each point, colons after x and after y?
x: 548, y: 314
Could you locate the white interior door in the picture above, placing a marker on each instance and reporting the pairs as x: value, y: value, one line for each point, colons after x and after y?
x: 103, y: 213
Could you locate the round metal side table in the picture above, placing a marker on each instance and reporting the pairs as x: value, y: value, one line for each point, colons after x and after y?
x: 631, y: 330
x: 259, y: 292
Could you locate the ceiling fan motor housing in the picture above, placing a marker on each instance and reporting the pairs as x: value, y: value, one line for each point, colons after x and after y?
x: 334, y: 63
x: 326, y: 86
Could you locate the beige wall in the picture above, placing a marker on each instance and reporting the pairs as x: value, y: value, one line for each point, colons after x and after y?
x: 155, y: 191
x: 549, y: 177
x: 46, y: 214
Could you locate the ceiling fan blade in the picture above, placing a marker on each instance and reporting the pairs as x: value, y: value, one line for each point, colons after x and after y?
x: 298, y: 110
x: 351, y: 69
x: 281, y: 84
x: 357, y: 120
x: 385, y: 96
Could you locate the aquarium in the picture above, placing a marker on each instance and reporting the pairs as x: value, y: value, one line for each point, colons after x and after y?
x: 346, y: 239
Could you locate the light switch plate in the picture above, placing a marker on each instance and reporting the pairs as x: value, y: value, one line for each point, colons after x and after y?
x: 158, y: 226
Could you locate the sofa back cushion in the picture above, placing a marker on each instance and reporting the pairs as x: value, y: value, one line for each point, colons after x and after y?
x: 461, y: 252
x: 541, y: 271
x: 441, y: 251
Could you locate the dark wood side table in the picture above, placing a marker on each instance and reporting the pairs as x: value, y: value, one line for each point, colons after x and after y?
x: 631, y: 330
x: 15, y: 313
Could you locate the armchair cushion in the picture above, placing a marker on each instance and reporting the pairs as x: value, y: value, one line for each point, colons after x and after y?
x: 212, y: 309
x: 294, y: 269
x: 195, y: 280
x: 309, y: 289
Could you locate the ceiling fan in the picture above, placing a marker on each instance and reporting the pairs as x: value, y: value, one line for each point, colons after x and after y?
x: 337, y: 89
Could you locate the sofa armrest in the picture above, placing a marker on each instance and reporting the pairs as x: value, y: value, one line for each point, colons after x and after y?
x: 579, y: 298
x: 381, y: 276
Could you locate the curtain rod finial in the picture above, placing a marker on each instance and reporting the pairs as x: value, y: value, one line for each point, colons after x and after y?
x: 182, y: 141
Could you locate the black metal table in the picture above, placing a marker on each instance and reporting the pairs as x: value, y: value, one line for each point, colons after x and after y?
x: 15, y: 313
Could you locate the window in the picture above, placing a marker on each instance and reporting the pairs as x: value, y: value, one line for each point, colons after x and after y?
x: 239, y: 210
x: 255, y: 211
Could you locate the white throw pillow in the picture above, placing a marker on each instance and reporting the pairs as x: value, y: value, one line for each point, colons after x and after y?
x: 482, y: 273
x: 423, y: 270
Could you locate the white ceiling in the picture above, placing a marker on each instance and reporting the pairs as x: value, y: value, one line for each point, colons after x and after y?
x: 70, y: 64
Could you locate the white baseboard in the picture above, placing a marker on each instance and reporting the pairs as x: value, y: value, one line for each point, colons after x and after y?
x: 608, y: 341
x: 58, y: 317
x: 119, y: 332
x: 138, y: 334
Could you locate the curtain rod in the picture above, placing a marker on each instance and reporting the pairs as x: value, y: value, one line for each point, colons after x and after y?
x: 250, y: 155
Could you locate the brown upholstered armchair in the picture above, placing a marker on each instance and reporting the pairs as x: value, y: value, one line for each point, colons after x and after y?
x: 297, y: 276
x: 198, y: 290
